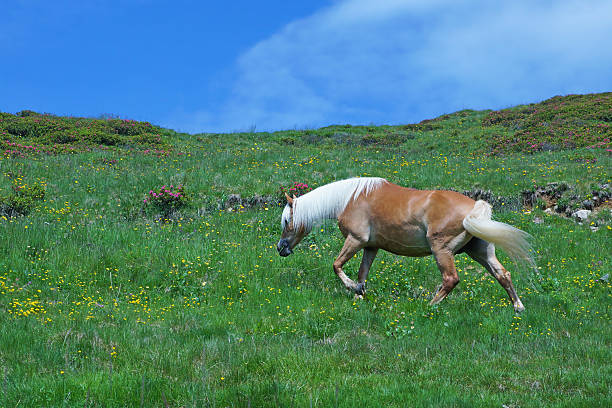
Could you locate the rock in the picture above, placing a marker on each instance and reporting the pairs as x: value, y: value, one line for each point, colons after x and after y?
x: 604, y: 278
x: 548, y: 211
x: 594, y: 229
x: 581, y: 215
x: 256, y: 201
x: 529, y: 198
x: 233, y: 200
x: 588, y: 204
x: 538, y: 220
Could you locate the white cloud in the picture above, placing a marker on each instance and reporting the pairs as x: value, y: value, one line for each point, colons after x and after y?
x: 398, y: 61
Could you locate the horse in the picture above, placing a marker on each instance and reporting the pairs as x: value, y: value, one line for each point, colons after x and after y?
x: 374, y: 214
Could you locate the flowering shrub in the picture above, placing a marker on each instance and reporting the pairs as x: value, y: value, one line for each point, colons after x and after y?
x: 167, y: 199
x: 562, y: 122
x: 297, y: 189
x: 31, y: 129
x: 22, y: 198
x: 129, y: 127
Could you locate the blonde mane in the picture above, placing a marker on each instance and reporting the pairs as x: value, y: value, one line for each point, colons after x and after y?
x: 328, y: 201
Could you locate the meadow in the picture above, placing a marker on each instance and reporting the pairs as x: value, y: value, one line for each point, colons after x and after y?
x: 113, y: 296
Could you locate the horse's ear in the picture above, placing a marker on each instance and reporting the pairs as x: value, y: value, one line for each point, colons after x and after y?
x: 289, y: 200
x: 294, y: 197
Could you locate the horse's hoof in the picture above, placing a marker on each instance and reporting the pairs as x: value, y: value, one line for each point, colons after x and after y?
x: 360, y: 289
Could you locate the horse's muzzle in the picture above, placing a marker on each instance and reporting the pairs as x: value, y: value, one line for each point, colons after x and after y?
x: 283, y: 248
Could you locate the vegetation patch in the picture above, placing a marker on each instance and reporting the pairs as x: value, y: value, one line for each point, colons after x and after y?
x: 562, y: 122
x: 347, y: 135
x: 235, y: 202
x: 29, y: 132
x: 566, y: 200
x: 167, y: 200
x: 22, y: 197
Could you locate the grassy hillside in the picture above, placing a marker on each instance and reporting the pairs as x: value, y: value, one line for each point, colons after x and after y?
x: 557, y: 123
x: 132, y: 273
x: 31, y: 132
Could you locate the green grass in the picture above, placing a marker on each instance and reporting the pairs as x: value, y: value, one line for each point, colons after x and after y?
x: 105, y: 302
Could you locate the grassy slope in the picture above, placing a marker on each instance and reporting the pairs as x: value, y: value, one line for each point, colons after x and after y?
x: 104, y: 305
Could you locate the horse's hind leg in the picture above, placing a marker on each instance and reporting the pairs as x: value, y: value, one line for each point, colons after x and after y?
x: 366, y: 263
x: 484, y: 253
x: 446, y: 264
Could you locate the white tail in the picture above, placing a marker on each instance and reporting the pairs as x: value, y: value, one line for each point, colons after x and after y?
x: 512, y: 240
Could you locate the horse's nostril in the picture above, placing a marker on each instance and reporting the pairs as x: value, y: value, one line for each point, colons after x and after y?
x: 283, y: 247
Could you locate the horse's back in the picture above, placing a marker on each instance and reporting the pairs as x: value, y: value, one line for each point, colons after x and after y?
x: 426, y: 202
x: 400, y: 219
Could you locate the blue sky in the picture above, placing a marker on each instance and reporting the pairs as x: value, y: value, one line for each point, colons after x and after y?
x: 224, y: 66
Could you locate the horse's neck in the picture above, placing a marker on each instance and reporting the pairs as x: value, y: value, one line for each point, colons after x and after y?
x: 309, y: 211
x: 327, y: 202
x: 311, y: 214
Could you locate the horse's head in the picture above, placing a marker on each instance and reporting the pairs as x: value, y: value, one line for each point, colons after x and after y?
x: 292, y: 234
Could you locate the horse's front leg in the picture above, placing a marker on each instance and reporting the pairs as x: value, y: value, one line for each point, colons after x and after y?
x: 351, y: 246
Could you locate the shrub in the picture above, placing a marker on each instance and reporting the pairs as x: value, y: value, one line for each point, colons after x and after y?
x: 48, y: 131
x: 28, y: 112
x: 129, y: 127
x: 22, y: 199
x: 62, y: 137
x: 167, y: 199
x: 148, y: 139
x: 103, y: 138
x: 562, y: 122
x: 386, y: 139
x: 297, y: 189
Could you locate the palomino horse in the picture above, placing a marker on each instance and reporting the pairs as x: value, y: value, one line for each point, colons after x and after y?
x: 375, y: 214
